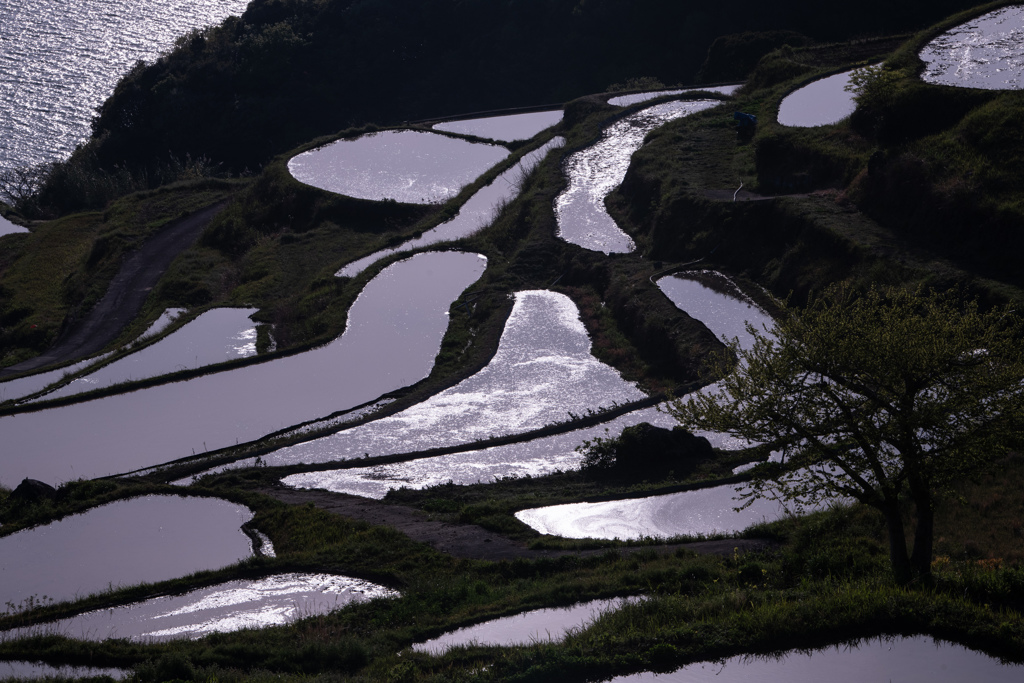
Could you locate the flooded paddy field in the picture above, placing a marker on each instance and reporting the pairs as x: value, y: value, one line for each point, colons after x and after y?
x: 537, y: 626
x: 394, y: 332
x: 704, y: 512
x: 477, y: 213
x: 986, y: 52
x: 918, y: 659
x: 147, y: 539
x: 534, y: 458
x: 232, y: 606
x: 218, y: 335
x: 542, y: 371
x: 411, y: 166
x: 508, y: 128
x: 9, y: 228
x: 595, y: 171
x: 637, y: 98
x: 819, y: 103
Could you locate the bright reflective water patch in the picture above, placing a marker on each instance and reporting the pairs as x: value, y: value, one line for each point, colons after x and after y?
x: 725, y: 314
x: 986, y: 52
x: 218, y: 335
x: 34, y: 670
x: 542, y: 372
x: 409, y: 166
x: 394, y: 331
x: 597, y: 170
x: 12, y: 390
x: 690, y: 513
x: 538, y: 626
x: 232, y: 606
x: 60, y: 60
x: 163, y: 322
x: 507, y: 128
x: 147, y: 539
x: 9, y: 228
x: 478, y: 211
x: 819, y: 103
x: 534, y: 458
x: 919, y: 659
x: 637, y: 98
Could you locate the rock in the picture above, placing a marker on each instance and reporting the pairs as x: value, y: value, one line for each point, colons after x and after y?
x: 31, y: 491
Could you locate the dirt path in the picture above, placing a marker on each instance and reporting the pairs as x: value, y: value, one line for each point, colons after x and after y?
x: 469, y: 540
x: 127, y: 292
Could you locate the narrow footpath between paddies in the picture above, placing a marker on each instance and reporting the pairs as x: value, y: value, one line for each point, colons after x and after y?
x: 127, y: 292
x: 474, y: 542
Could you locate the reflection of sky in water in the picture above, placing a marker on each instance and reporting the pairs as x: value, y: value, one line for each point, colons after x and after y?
x: 705, y: 511
x: 394, y: 331
x: 148, y: 539
x: 819, y: 103
x: 534, y: 458
x: 986, y: 52
x: 478, y: 211
x: 542, y: 371
x: 504, y: 128
x: 216, y: 336
x: 637, y: 98
x: 9, y: 228
x: 405, y: 165
x: 919, y: 658
x: 597, y: 170
x: 231, y: 606
x: 18, y: 388
x: 551, y: 624
x: 724, y: 315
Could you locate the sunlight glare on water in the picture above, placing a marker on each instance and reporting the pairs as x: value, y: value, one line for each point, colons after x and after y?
x: 542, y: 371
x: 232, y: 606
x: 409, y: 166
x: 478, y: 211
x: 59, y: 61
x: 986, y: 52
x: 595, y: 171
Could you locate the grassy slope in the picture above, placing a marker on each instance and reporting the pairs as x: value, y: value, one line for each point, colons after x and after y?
x: 828, y: 583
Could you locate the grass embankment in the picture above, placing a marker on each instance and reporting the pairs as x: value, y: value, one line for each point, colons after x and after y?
x: 919, y: 185
x: 829, y: 579
x: 62, y: 267
x: 828, y: 582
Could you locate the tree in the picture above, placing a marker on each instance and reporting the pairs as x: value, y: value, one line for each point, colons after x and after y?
x: 887, y: 396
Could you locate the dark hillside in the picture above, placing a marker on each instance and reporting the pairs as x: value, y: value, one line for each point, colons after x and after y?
x: 288, y: 71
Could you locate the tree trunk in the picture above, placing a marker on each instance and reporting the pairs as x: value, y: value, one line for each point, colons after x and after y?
x: 898, y: 558
x: 924, y: 534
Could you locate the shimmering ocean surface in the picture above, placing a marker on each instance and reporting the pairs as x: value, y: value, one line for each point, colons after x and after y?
x: 60, y: 60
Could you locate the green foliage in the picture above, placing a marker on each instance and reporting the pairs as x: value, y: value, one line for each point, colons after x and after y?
x: 874, y: 396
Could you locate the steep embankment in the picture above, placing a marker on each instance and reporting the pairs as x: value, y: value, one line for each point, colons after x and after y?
x: 917, y: 186
x: 287, y: 71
